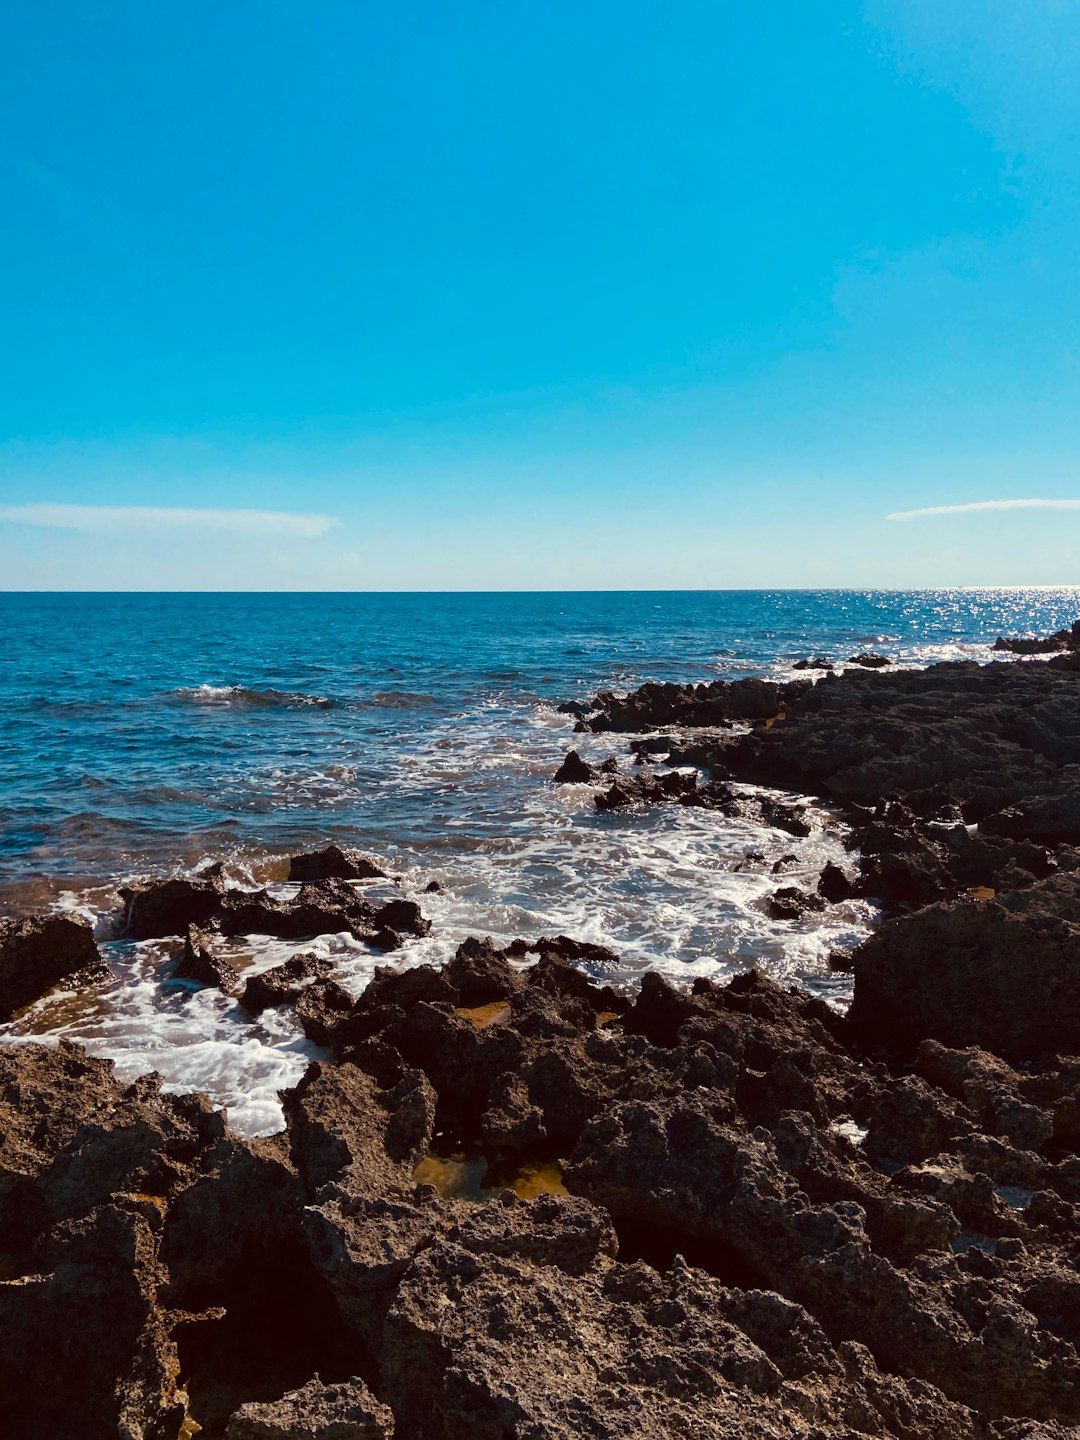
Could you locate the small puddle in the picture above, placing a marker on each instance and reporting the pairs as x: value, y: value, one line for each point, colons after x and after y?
x: 982, y: 892
x: 482, y: 1016
x: 473, y: 1177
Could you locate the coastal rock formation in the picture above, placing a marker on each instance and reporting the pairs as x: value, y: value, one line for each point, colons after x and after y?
x: 333, y: 863
x: 955, y: 779
x: 737, y: 1222
x: 1044, y: 645
x: 346, y: 1411
x: 41, y: 951
x: 520, y: 1202
x: 321, y: 907
x: 1003, y: 974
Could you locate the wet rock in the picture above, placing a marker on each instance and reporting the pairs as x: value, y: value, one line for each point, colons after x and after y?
x: 200, y: 963
x: 322, y: 907
x: 38, y: 953
x: 321, y: 1008
x: 574, y: 771
x: 283, y: 983
x: 791, y: 903
x: 317, y: 1411
x: 168, y: 907
x: 869, y: 661
x: 333, y: 863
x: 659, y: 706
x: 433, y: 888
x: 1060, y: 640
x: 1000, y: 974
x: 646, y: 789
x: 834, y: 886
x: 403, y: 917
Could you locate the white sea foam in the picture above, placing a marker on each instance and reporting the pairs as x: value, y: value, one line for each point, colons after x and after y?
x: 671, y: 888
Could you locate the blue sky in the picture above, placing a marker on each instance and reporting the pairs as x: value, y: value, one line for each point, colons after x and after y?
x: 538, y: 295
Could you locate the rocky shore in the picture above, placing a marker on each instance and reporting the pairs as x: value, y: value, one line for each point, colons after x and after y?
x: 512, y: 1202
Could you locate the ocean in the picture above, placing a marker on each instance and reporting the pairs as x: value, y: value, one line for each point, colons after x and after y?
x: 141, y: 735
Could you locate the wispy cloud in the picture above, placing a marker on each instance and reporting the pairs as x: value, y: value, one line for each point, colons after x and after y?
x: 101, y: 519
x: 984, y: 505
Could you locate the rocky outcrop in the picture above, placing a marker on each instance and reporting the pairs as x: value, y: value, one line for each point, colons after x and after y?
x: 333, y: 863
x: 201, y: 963
x: 1060, y: 640
x: 741, y: 1222
x: 327, y: 906
x: 39, y: 953
x: 916, y: 759
x: 1003, y: 974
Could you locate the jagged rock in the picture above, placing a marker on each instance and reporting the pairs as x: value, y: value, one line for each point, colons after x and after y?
x: 200, y: 963
x: 403, y: 917
x: 320, y: 1008
x: 480, y: 974
x: 87, y: 1353
x: 333, y: 863
x: 284, y: 982
x: 1045, y: 819
x: 168, y: 907
x: 343, y: 1411
x: 38, y: 953
x: 1001, y: 974
x: 834, y: 886
x: 869, y: 661
x: 574, y: 771
x: 791, y: 903
x: 1045, y: 645
x: 341, y: 1122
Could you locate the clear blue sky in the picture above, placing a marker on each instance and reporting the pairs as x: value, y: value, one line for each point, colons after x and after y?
x: 538, y: 295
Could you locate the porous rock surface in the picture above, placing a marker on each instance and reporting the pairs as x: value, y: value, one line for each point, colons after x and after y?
x: 39, y: 952
x: 753, y: 1225
x: 723, y: 1211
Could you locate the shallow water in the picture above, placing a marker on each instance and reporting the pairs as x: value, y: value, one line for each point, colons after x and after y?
x: 143, y: 734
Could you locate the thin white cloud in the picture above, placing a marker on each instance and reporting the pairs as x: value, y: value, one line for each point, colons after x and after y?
x: 102, y: 519
x: 984, y: 505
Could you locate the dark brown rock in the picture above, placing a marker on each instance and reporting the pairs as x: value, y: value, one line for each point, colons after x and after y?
x: 334, y: 863
x: 343, y: 1411
x: 574, y: 771
x: 283, y: 983
x: 791, y: 903
x: 202, y: 964
x: 1000, y: 974
x: 38, y: 953
x: 168, y: 907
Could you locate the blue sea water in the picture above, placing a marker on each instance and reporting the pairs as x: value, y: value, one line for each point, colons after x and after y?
x: 142, y: 734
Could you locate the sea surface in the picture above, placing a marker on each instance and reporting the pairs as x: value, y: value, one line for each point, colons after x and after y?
x: 142, y: 735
